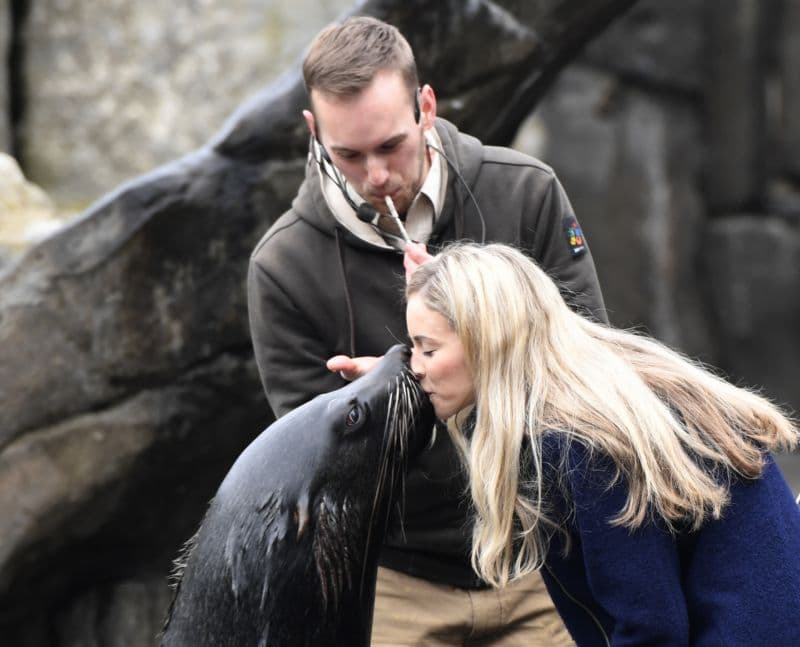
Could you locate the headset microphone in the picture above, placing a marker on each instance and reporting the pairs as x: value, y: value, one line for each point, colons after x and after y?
x: 366, y: 212
x: 369, y: 214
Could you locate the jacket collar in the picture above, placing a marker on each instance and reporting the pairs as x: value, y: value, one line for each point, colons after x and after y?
x: 311, y: 205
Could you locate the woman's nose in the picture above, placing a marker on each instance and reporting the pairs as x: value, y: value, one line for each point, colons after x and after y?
x: 416, y: 366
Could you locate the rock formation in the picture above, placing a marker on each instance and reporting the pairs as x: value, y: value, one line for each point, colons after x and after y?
x: 127, y: 384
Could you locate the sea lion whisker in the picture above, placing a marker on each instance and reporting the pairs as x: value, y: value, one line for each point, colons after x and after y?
x: 383, y: 469
x: 301, y: 516
x: 332, y: 567
x: 394, y: 447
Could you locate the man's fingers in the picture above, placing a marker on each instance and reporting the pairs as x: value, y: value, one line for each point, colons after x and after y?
x: 415, y: 255
x: 351, y: 368
x: 340, y: 363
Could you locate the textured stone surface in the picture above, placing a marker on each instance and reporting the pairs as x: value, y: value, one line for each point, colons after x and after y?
x: 522, y: 37
x: 129, y: 613
x: 27, y: 215
x: 790, y: 79
x: 630, y: 164
x: 5, y: 95
x: 658, y: 43
x: 128, y: 383
x: 783, y: 198
x: 93, y: 119
x: 187, y: 229
x: 753, y: 270
x: 735, y: 104
x: 147, y: 284
x: 116, y: 88
x: 101, y: 494
x: 122, y: 614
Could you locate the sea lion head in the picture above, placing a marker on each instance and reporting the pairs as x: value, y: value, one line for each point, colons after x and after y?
x: 288, y: 550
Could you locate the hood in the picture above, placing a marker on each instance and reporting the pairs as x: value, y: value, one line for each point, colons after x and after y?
x: 464, y: 155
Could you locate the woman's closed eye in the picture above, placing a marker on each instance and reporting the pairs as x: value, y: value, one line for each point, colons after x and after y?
x: 425, y: 351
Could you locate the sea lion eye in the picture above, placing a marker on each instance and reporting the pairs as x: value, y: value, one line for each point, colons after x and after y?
x: 355, y: 417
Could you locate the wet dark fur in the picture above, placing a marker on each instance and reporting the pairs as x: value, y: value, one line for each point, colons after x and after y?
x: 287, y: 553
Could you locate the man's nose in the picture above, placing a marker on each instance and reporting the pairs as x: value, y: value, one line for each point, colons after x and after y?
x: 377, y: 171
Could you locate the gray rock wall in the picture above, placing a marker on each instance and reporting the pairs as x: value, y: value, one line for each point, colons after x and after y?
x: 676, y: 136
x: 629, y: 161
x: 735, y: 102
x: 141, y: 390
x: 27, y: 215
x: 753, y: 277
x: 658, y: 43
x: 789, y: 53
x: 117, y: 88
x: 5, y: 95
x: 623, y: 130
x: 127, y: 378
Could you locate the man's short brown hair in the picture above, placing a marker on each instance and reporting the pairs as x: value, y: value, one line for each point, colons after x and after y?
x: 344, y: 58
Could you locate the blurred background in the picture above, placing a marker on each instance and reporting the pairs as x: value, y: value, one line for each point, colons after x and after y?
x: 676, y: 134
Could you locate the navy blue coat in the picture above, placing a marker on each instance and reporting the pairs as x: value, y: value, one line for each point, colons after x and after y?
x: 736, y: 581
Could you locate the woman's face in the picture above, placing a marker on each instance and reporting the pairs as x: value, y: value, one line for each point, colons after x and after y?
x: 438, y: 359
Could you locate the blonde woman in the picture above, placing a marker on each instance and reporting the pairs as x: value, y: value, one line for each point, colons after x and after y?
x: 641, y: 484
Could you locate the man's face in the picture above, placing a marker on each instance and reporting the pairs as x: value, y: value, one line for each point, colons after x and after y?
x: 373, y: 140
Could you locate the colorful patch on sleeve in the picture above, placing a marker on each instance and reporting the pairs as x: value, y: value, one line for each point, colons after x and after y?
x: 575, y: 239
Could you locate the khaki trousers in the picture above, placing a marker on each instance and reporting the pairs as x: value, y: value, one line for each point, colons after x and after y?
x: 412, y: 611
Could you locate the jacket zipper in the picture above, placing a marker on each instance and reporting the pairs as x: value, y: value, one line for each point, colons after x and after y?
x: 582, y: 606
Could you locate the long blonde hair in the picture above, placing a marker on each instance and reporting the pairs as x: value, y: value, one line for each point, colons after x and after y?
x: 672, y: 428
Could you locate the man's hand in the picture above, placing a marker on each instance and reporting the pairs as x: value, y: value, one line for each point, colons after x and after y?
x: 415, y: 255
x: 351, y: 368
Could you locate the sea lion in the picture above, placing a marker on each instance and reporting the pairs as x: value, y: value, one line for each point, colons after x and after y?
x: 287, y: 552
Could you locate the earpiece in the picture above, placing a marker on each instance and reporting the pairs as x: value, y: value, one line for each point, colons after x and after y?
x: 323, y: 153
x: 365, y: 211
x: 466, y: 186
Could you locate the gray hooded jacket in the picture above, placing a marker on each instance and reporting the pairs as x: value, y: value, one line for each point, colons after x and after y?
x: 316, y: 289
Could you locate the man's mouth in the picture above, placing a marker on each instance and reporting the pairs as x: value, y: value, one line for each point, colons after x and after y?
x: 381, y: 197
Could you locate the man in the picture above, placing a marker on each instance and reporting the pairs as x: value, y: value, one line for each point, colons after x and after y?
x: 327, y: 280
